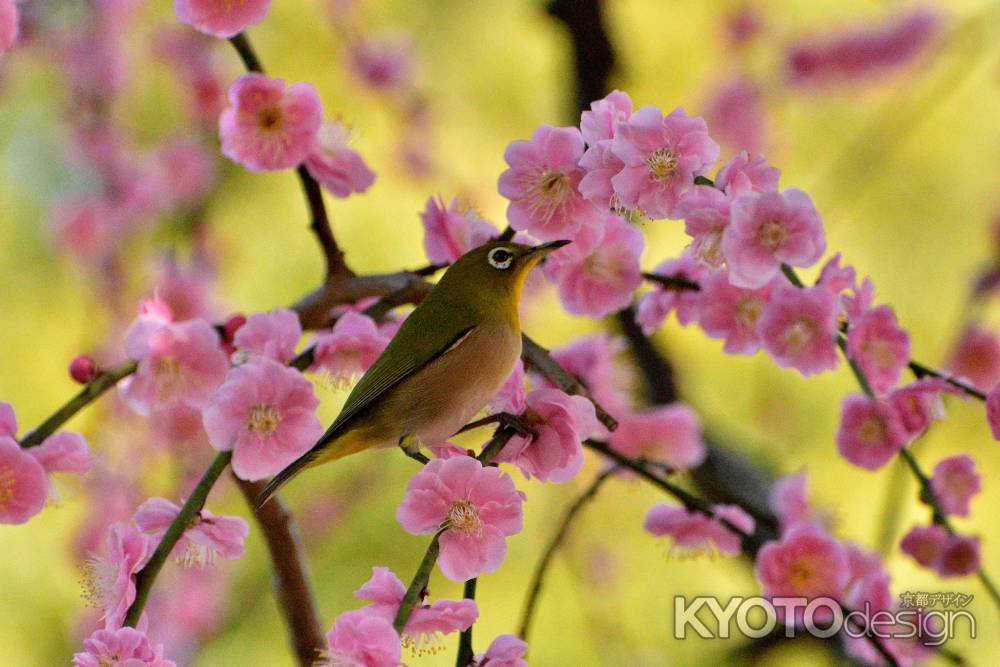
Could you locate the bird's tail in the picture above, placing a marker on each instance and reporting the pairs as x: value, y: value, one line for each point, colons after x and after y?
x: 348, y: 443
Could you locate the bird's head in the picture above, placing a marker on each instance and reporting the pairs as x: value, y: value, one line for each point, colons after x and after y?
x: 495, y: 272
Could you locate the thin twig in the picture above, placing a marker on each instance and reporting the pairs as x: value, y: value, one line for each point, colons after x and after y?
x: 106, y: 380
x: 184, y: 519
x: 465, y: 650
x: 534, y: 591
x: 678, y: 283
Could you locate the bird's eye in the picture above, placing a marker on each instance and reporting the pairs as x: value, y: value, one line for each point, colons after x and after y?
x: 500, y: 258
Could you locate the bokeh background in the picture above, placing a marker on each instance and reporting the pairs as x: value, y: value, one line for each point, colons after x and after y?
x: 902, y: 164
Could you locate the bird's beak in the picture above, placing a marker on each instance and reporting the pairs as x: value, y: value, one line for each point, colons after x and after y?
x: 546, y: 248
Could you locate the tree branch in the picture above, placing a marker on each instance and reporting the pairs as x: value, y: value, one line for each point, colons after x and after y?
x: 465, y: 650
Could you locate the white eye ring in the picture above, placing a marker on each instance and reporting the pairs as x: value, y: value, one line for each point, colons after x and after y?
x: 500, y: 258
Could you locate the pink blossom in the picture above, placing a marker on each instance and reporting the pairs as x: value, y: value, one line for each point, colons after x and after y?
x: 383, y: 62
x: 742, y: 176
x: 735, y: 112
x: 63, y: 452
x: 562, y: 422
x: 925, y: 544
x: 426, y: 621
x: 266, y: 414
x: 362, y: 640
x: 205, y: 538
x: 600, y: 165
x: 695, y: 532
x: 478, y: 507
x: 511, y: 397
x: 918, y: 404
x: 179, y: 363
x: 837, y: 278
x: 599, y: 123
x: 789, y: 499
x: 804, y: 562
x: 960, y: 558
x: 598, y: 281
x: 955, y: 483
x: 109, y: 580
x: 767, y: 230
x: 705, y: 211
x: 221, y: 19
x: 870, y: 432
x: 799, y: 329
x: 863, y: 52
x: 121, y: 647
x: 504, y: 651
x: 338, y: 168
x: 8, y: 421
x: 656, y: 305
x: 82, y: 369
x: 880, y: 348
x: 8, y: 25
x: 976, y: 358
x: 668, y: 434
x: 267, y: 127
x: 451, y: 232
x: 271, y: 335
x: 732, y: 313
x: 868, y: 581
x: 542, y: 185
x: 23, y: 484
x: 859, y: 301
x: 349, y: 349
x: 593, y: 360
x: 184, y: 289
x: 662, y: 156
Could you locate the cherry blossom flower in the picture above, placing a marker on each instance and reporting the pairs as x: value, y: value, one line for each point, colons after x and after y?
x: 799, y: 328
x: 837, y: 278
x: 599, y: 123
x: 870, y: 432
x: 804, y: 562
x: 109, y: 580
x: 993, y: 411
x: 562, y: 422
x: 918, y: 404
x: 451, y: 232
x: 864, y: 52
x: 477, y: 507
x: 768, y: 229
x: 8, y: 25
x: 925, y: 544
x: 221, y: 19
x: 695, y: 532
x: 338, y: 168
x: 742, y: 176
x: 124, y: 647
x: 426, y: 622
x: 880, y: 348
x: 504, y: 651
x: 349, y: 349
x: 267, y: 127
x: 662, y: 156
x: 63, y: 452
x: 955, y: 483
x: 705, y: 211
x: 960, y: 558
x: 206, y: 538
x: 266, y: 414
x: 668, y: 434
x: 184, y: 290
x: 23, y: 484
x: 271, y: 335
x: 592, y: 359
x: 600, y: 280
x: 735, y: 112
x: 976, y: 358
x: 656, y: 305
x: 179, y: 362
x: 732, y: 313
x: 383, y: 62
x: 362, y: 640
x: 599, y: 162
x: 541, y: 184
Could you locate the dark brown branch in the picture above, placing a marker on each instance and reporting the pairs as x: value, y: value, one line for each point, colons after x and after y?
x: 594, y: 58
x: 314, y: 309
x: 291, y: 581
x: 465, y: 651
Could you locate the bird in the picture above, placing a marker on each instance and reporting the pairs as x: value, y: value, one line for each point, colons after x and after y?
x: 448, y: 359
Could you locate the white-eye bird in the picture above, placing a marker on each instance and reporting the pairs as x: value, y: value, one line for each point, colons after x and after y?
x: 448, y: 359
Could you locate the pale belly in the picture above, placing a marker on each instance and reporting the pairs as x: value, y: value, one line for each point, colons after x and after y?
x: 435, y: 402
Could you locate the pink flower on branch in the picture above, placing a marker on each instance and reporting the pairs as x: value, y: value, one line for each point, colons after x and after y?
x: 271, y: 335
x: 732, y: 313
x: 266, y: 414
x: 267, y: 127
x: 208, y: 537
x: 23, y: 484
x: 358, y: 639
x: 349, y: 349
x: 477, y: 508
x: 918, y: 404
x: 871, y: 432
x: 799, y: 329
x: 976, y: 358
x: 925, y: 544
x: 662, y: 156
x: 695, y: 532
x: 657, y: 304
x: 705, y: 211
x: 221, y: 19
x: 769, y: 229
x: 880, y: 348
x: 955, y: 483
x: 121, y: 647
x: 669, y: 434
x: 504, y: 651
x: 600, y: 122
x: 338, y: 168
x: 542, y: 185
x: 109, y: 580
x: 743, y: 176
x: 935, y: 548
x: 451, y: 232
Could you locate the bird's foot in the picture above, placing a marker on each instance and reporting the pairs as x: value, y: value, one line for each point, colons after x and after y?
x: 517, y: 423
x: 412, y: 449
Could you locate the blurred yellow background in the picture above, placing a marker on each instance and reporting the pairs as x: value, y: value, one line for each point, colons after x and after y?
x: 904, y: 171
